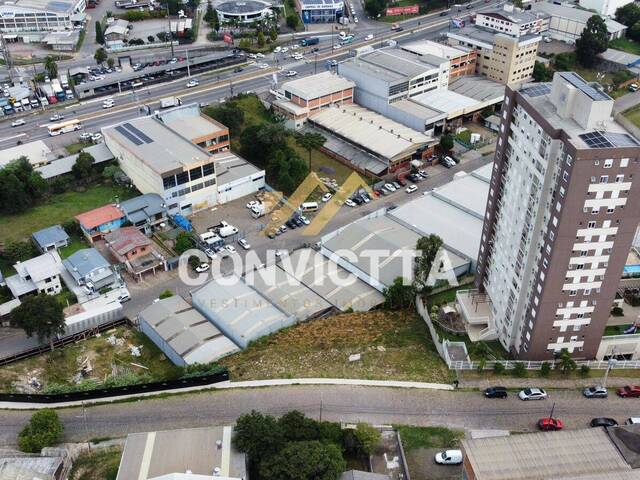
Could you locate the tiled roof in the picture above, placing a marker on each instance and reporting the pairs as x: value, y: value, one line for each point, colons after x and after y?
x: 126, y: 239
x: 99, y: 216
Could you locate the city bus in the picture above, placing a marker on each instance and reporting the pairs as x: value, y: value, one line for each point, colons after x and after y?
x: 64, y: 127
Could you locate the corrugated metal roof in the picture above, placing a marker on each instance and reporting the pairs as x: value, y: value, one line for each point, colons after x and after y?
x: 319, y: 85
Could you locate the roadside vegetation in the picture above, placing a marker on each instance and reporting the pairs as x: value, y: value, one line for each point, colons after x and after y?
x: 99, y: 464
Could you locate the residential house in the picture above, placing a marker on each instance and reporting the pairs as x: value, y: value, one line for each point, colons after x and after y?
x: 116, y: 32
x: 131, y: 247
x: 146, y: 212
x: 36, y: 275
x: 95, y: 223
x: 88, y: 267
x: 50, y: 238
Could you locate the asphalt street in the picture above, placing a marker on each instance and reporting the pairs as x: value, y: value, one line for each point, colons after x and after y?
x: 461, y: 409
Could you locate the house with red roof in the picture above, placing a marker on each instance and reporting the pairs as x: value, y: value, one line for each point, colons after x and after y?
x: 132, y: 248
x: 102, y: 220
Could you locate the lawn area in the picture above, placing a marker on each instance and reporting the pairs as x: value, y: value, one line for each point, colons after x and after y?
x: 76, y: 147
x: 429, y: 437
x: 393, y: 345
x: 323, y: 164
x: 75, y: 244
x: 633, y: 115
x: 59, y: 208
x: 60, y: 366
x: 448, y: 296
x: 99, y: 464
x: 626, y: 45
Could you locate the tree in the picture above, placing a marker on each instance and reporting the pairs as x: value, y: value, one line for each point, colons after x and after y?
x: 399, y: 296
x: 593, y: 40
x: 51, y: 66
x: 166, y: 294
x: 20, y: 186
x: 633, y: 31
x: 183, y: 243
x: 273, y: 34
x: 293, y: 20
x: 545, y: 369
x: 304, y: 461
x: 110, y: 172
x: 428, y: 247
x: 209, y: 13
x: 83, y: 167
x: 367, y: 438
x: 564, y: 61
x: 498, y: 368
x: 43, y: 430
x: 629, y: 14
x: 111, y: 62
x: 375, y: 7
x: 99, y: 33
x: 542, y: 73
x: 18, y: 251
x: 100, y: 56
x: 40, y: 315
x: 229, y: 114
x: 261, y: 39
x: 259, y: 436
x: 310, y: 141
x: 585, y: 370
x: 446, y: 142
x: 518, y: 3
x: 481, y: 349
x: 295, y: 427
x: 565, y: 363
x: 519, y: 370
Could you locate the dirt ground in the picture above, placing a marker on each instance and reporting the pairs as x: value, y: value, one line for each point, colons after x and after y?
x: 422, y: 466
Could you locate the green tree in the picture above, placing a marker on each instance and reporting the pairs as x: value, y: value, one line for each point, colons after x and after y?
x: 99, y: 33
x: 428, y: 247
x: 565, y: 363
x: 629, y: 14
x: 304, y: 461
x: 481, y: 349
x: 295, y: 427
x: 518, y: 3
x: 564, y: 61
x: 310, y: 141
x: 166, y: 294
x: 585, y: 370
x: 83, y: 167
x: 183, y: 243
x: 229, y: 114
x: 18, y: 251
x: 293, y: 21
x: 519, y: 370
x: 20, y: 186
x: 43, y: 430
x: 111, y: 62
x: 367, y: 438
x: 375, y: 7
x: 51, y: 66
x: 273, y: 34
x: 40, y: 315
x: 209, y: 12
x: 110, y: 172
x: 498, y: 368
x: 593, y: 40
x: 286, y: 169
x: 542, y: 73
x: 446, y: 142
x: 259, y: 436
x: 633, y: 32
x: 399, y: 296
x: 261, y: 39
x: 545, y: 369
x: 100, y: 56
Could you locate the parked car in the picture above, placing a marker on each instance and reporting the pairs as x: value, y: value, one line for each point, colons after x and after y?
x: 550, y: 424
x: 244, y: 244
x: 397, y: 185
x: 210, y: 253
x: 390, y: 187
x: 203, y: 267
x: 629, y: 391
x: 632, y: 421
x: 305, y: 220
x: 495, y: 392
x: 17, y: 123
x: 411, y: 189
x: 449, y: 457
x: 96, y: 137
x: 597, y: 391
x: 252, y: 203
x: 603, y: 422
x: 532, y: 394
x: 326, y: 197
x: 124, y: 296
x: 230, y: 248
x: 349, y: 203
x: 85, y: 136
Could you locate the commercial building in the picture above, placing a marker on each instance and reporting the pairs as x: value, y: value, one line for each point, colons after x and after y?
x: 61, y: 166
x: 501, y: 57
x: 32, y: 20
x: 88, y: 267
x: 37, y: 152
x: 202, y: 130
x: 243, y: 12
x: 100, y: 221
x: 36, y: 275
x: 320, y: 11
x: 50, y: 238
x: 187, y: 454
x: 298, y: 99
x: 556, y: 233
x: 236, y: 177
x: 614, y: 60
x: 182, y: 333
x: 604, y: 7
x: 513, y: 22
x: 62, y: 41
x: 462, y: 60
x: 567, y: 23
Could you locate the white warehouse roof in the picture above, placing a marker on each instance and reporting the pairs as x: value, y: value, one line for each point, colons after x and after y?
x: 316, y: 86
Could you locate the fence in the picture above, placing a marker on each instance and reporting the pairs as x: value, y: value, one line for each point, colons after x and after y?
x: 536, y: 365
x: 116, y: 391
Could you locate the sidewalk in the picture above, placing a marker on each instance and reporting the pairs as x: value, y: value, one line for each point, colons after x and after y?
x: 228, y: 385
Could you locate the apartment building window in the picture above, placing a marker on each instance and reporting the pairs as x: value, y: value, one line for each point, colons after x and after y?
x: 608, y: 163
x: 565, y: 176
x: 604, y: 178
x: 593, y: 179
x: 587, y: 292
x: 624, y: 162
x: 573, y: 293
x: 619, y: 178
x: 591, y: 224
x: 610, y: 210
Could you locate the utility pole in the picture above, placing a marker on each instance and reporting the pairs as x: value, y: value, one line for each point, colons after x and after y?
x: 188, y: 69
x: 611, y: 364
x: 170, y: 33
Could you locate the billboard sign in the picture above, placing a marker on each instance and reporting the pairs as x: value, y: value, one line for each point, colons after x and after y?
x: 227, y: 38
x: 410, y: 10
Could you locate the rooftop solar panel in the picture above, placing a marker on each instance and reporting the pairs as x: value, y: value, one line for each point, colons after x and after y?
x: 537, y: 90
x: 608, y: 140
x: 578, y: 82
x: 137, y: 132
x: 127, y: 134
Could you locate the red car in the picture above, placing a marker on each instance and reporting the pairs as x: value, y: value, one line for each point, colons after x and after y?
x: 550, y: 424
x: 629, y: 391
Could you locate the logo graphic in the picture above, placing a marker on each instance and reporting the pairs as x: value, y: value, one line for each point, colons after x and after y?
x: 296, y: 202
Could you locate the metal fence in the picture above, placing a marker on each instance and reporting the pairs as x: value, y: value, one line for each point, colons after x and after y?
x: 536, y: 365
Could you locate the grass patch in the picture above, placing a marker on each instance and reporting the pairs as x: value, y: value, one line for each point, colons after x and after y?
x: 76, y: 147
x: 58, y: 209
x: 75, y: 244
x: 633, y: 115
x: 448, y: 296
x: 321, y: 348
x: 323, y: 164
x: 99, y: 464
x: 615, y: 329
x: 429, y: 437
x: 626, y: 45
x: 60, y: 366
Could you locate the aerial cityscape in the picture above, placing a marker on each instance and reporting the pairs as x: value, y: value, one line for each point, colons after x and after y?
x: 319, y: 240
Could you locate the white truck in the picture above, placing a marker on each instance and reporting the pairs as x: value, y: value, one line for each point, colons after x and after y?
x: 210, y: 238
x: 64, y: 80
x: 227, y: 231
x: 170, y: 102
x: 258, y: 210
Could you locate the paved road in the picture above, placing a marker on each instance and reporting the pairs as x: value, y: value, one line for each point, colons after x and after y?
x: 464, y: 410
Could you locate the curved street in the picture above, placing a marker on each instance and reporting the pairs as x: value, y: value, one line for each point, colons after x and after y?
x: 461, y: 409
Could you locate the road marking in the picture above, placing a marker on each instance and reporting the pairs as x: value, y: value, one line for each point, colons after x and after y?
x: 14, y: 136
x: 146, y: 456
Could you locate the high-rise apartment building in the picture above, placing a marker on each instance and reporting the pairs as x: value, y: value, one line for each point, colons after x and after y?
x: 561, y: 214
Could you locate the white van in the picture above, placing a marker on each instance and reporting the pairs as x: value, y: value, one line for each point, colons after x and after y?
x: 309, y: 207
x: 632, y: 421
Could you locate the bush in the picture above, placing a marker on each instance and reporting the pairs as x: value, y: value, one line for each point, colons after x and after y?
x: 166, y: 294
x: 498, y: 368
x: 367, y: 438
x: 519, y: 370
x: 545, y: 369
x: 617, y: 312
x: 43, y: 430
x: 481, y: 364
x: 202, y: 369
x: 585, y: 370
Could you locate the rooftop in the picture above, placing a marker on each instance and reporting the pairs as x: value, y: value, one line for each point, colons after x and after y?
x: 155, y: 144
x: 85, y: 261
x: 244, y: 6
x: 485, y: 37
x: 57, y: 6
x: 125, y: 239
x: 119, y: 27
x: 50, y: 236
x: 514, y: 16
x: 479, y: 88
x: 153, y: 454
x: 189, y: 122
x: 429, y: 47
x: 378, y: 134
x: 575, y: 14
x: 446, y: 101
x: 143, y: 207
x: 99, y: 152
x: 620, y: 57
x: 315, y: 86
x: 186, y: 331
x: 99, y: 216
x: 392, y: 64
x: 40, y: 267
x: 37, y: 152
x: 231, y: 167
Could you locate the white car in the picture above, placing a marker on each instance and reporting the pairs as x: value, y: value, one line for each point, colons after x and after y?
x: 259, y: 55
x: 17, y: 123
x: 244, y: 244
x: 252, y: 203
x: 210, y: 253
x: 305, y: 220
x: 285, y: 49
x: 295, y: 46
x: 263, y: 66
x: 411, y: 189
x: 449, y: 457
x: 56, y: 117
x: 277, y: 50
x: 298, y: 56
x: 389, y: 187
x: 96, y: 137
x: 230, y: 248
x: 337, y: 46
x: 108, y: 104
x: 326, y: 197
x: 355, y: 19
x: 350, y: 202
x: 203, y: 267
x: 86, y: 136
x: 532, y: 394
x: 124, y: 296
x: 291, y: 73
x: 252, y: 55
x: 369, y: 37
x: 192, y: 83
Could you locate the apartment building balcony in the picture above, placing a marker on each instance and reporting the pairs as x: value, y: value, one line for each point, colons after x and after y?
x: 475, y: 309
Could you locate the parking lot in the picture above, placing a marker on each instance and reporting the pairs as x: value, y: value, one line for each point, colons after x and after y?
x: 148, y: 27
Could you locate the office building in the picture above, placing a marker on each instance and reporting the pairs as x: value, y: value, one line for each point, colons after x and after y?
x: 513, y: 22
x: 561, y: 215
x: 320, y: 11
x: 501, y: 57
x: 31, y: 20
x: 462, y: 60
x: 243, y: 12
